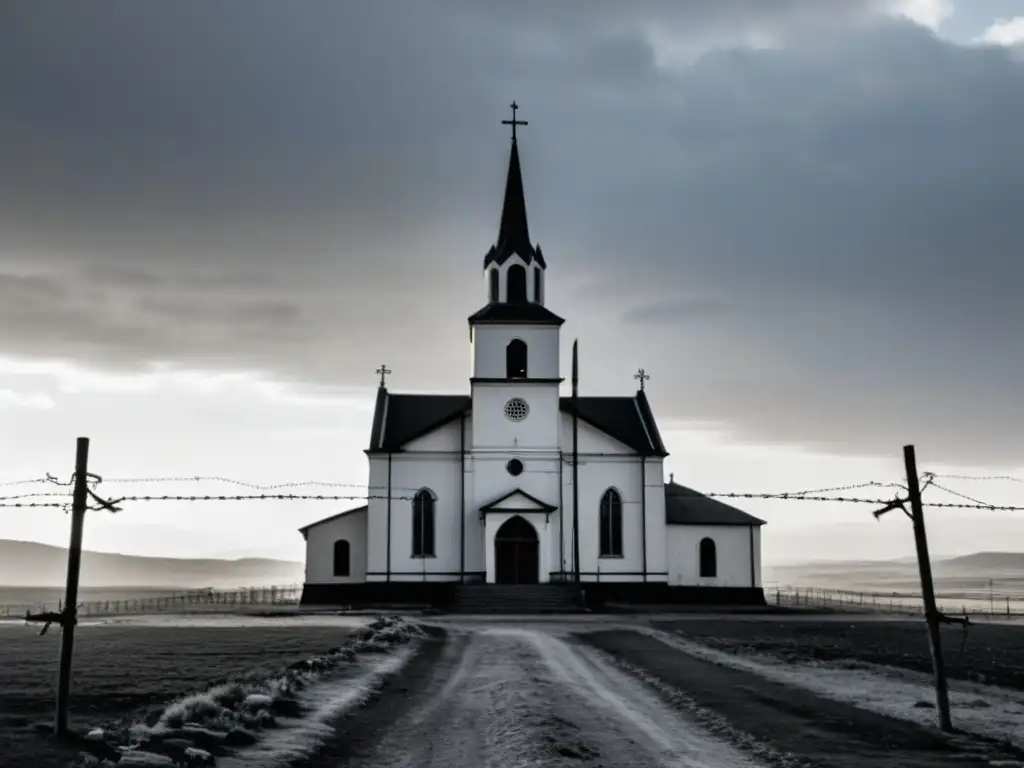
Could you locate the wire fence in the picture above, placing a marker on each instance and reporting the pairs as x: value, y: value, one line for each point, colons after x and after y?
x: 975, y: 604
x: 52, y: 492
x: 243, y: 599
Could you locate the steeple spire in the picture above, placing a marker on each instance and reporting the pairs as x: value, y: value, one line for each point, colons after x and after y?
x: 514, y: 232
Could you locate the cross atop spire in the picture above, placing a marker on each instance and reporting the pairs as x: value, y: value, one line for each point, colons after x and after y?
x: 513, y: 122
x: 643, y: 376
x: 514, y: 232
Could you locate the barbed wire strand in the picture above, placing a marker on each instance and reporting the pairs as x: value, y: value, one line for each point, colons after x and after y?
x: 33, y: 481
x: 332, y: 484
x: 963, y: 496
x: 979, y: 478
x: 857, y: 486
x: 243, y: 483
x: 366, y: 497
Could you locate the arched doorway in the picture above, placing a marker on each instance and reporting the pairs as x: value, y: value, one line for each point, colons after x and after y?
x: 516, y: 553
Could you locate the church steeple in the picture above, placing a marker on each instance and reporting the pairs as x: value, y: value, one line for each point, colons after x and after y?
x: 514, y: 272
x: 514, y: 232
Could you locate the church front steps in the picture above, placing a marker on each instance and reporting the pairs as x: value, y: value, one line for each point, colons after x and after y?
x: 520, y: 599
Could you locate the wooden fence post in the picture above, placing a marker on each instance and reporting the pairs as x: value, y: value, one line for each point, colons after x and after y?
x: 931, y: 610
x: 67, y: 646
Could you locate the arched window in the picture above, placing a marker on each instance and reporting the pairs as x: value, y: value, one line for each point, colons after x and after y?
x: 516, y: 288
x: 611, y: 524
x: 492, y: 278
x: 538, y: 285
x: 515, y: 359
x: 423, y: 524
x: 708, y: 559
x: 342, y: 555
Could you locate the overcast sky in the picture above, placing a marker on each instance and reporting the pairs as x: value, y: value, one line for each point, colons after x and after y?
x: 802, y: 217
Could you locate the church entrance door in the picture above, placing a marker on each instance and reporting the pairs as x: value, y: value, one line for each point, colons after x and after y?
x: 516, y: 553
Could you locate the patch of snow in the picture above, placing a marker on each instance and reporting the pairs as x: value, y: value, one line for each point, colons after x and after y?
x: 299, y: 737
x: 987, y: 711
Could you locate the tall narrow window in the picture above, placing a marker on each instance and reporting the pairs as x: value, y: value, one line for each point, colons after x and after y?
x: 515, y: 359
x: 538, y: 285
x: 342, y: 562
x: 708, y: 559
x: 516, y: 284
x: 423, y: 524
x: 492, y: 278
x: 611, y: 524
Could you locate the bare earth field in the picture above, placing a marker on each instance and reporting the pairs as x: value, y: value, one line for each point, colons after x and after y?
x: 585, y: 692
x: 988, y: 653
x: 126, y: 669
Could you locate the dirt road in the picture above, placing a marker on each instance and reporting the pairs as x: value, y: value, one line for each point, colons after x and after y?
x: 506, y: 697
x: 533, y: 695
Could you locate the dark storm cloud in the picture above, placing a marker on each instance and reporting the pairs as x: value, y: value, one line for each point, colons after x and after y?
x: 818, y: 239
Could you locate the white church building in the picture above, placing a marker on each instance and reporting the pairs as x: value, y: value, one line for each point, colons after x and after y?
x: 518, y: 483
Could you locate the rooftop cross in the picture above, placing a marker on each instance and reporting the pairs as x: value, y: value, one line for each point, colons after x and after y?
x: 383, y: 371
x: 643, y: 376
x: 513, y: 122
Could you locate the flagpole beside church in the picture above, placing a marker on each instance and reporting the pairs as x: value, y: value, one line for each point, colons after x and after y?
x: 575, y: 462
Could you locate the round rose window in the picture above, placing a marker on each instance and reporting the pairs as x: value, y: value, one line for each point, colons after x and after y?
x: 516, y: 409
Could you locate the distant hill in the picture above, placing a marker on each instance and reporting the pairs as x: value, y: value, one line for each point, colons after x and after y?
x: 29, y: 564
x: 980, y: 561
x: 1002, y: 571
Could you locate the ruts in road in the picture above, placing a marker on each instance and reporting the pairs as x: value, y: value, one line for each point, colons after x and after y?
x: 504, y: 696
x: 510, y: 698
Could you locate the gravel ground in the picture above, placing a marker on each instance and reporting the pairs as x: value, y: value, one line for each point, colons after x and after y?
x: 125, y: 670
x: 991, y: 653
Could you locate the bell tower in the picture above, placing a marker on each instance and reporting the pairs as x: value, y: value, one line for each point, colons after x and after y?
x: 514, y: 337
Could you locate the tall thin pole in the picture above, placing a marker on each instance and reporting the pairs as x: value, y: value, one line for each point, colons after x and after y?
x: 575, y: 462
x: 462, y: 496
x: 387, y: 556
x: 561, y: 513
x: 67, y: 645
x: 931, y: 610
x: 643, y: 512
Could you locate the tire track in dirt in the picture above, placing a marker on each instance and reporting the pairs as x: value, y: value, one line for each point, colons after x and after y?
x: 511, y: 698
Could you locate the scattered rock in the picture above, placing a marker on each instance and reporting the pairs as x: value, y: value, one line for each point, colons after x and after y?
x: 194, y: 730
x: 198, y: 757
x: 256, y: 701
x: 138, y: 759
x: 239, y: 737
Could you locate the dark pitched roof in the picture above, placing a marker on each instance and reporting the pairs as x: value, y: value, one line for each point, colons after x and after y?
x: 398, y: 419
x: 628, y: 419
x: 304, y: 530
x: 496, y: 313
x: 685, y: 506
x: 514, y: 232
